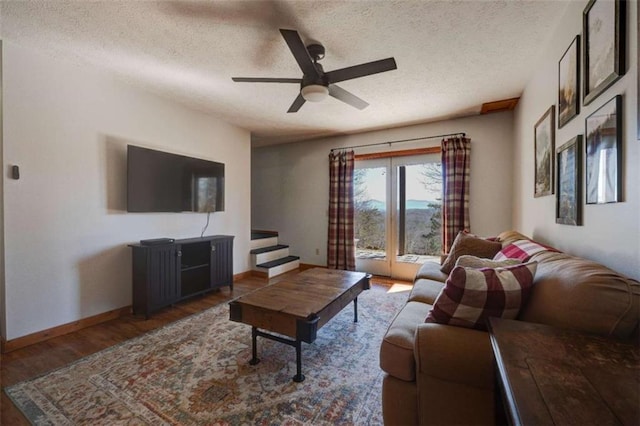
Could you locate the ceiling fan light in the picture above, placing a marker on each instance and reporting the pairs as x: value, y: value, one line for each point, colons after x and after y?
x: 314, y: 92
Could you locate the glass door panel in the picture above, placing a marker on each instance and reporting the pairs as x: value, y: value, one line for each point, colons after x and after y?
x: 371, y: 216
x: 417, y: 214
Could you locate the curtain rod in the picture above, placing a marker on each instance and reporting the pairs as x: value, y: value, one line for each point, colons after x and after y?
x: 401, y: 140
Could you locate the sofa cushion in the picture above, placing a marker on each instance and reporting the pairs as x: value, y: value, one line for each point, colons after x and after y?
x: 469, y: 244
x: 431, y: 271
x: 425, y: 291
x: 428, y: 282
x: 521, y: 250
x: 471, y: 295
x: 396, y: 350
x: 572, y: 292
x: 478, y: 262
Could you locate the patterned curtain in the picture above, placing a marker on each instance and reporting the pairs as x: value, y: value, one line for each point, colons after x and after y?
x: 456, y: 155
x: 341, y: 247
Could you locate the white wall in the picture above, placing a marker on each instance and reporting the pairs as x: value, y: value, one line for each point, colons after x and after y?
x: 611, y: 233
x: 66, y: 226
x: 290, y: 183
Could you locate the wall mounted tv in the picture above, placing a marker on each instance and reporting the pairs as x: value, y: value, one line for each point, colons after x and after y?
x: 163, y: 182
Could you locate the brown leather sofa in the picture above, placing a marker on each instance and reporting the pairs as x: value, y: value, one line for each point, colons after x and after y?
x: 441, y: 374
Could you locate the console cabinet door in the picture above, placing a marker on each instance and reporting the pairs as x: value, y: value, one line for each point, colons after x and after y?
x: 156, y: 281
x: 222, y: 262
x: 163, y: 272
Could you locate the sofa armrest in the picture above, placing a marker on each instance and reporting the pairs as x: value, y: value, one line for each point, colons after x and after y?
x: 454, y: 354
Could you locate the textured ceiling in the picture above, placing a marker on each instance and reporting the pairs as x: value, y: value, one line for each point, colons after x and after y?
x: 452, y: 56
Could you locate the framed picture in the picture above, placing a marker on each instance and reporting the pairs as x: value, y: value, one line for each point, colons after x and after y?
x: 603, y: 26
x: 568, y: 83
x: 544, y: 137
x: 604, y: 153
x: 569, y: 183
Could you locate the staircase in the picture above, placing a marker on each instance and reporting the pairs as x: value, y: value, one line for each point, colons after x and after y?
x: 268, y: 258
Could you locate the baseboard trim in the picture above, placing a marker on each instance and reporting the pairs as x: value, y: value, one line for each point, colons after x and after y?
x: 242, y: 275
x: 41, y: 336
x: 304, y: 266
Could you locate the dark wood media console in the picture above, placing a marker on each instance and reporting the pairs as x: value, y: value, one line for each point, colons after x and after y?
x: 164, y: 274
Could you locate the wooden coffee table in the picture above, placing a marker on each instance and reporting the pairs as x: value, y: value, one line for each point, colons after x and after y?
x: 297, y: 307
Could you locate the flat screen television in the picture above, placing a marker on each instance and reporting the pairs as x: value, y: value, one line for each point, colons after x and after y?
x: 159, y: 181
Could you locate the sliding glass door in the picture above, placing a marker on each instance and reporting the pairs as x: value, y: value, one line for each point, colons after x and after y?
x: 397, y: 214
x: 372, y: 193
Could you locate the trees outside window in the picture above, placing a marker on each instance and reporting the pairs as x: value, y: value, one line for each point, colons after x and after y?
x: 423, y: 216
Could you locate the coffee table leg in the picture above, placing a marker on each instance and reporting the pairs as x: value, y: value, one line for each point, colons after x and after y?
x: 299, y: 377
x: 355, y: 310
x: 254, y: 346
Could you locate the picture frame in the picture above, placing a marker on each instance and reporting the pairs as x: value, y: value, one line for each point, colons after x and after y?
x: 569, y: 83
x: 569, y: 183
x: 604, y: 47
x: 544, y: 141
x: 603, y: 147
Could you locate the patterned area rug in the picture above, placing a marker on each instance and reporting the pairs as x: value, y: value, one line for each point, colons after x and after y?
x: 196, y: 371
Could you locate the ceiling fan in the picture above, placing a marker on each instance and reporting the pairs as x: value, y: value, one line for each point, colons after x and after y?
x: 316, y: 84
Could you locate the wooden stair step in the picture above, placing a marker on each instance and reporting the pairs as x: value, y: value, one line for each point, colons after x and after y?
x: 278, y: 262
x: 258, y: 235
x: 268, y: 249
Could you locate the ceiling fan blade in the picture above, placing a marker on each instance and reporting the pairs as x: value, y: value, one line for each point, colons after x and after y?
x: 266, y: 80
x: 295, y: 106
x: 361, y: 70
x: 300, y: 53
x: 347, y: 97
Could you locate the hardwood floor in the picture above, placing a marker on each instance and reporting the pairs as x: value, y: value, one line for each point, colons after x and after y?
x: 40, y: 358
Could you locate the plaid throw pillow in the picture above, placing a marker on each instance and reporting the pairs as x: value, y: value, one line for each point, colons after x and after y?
x: 470, y: 296
x: 521, y: 250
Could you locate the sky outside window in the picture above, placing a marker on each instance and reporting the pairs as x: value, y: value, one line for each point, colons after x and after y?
x: 376, y: 185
